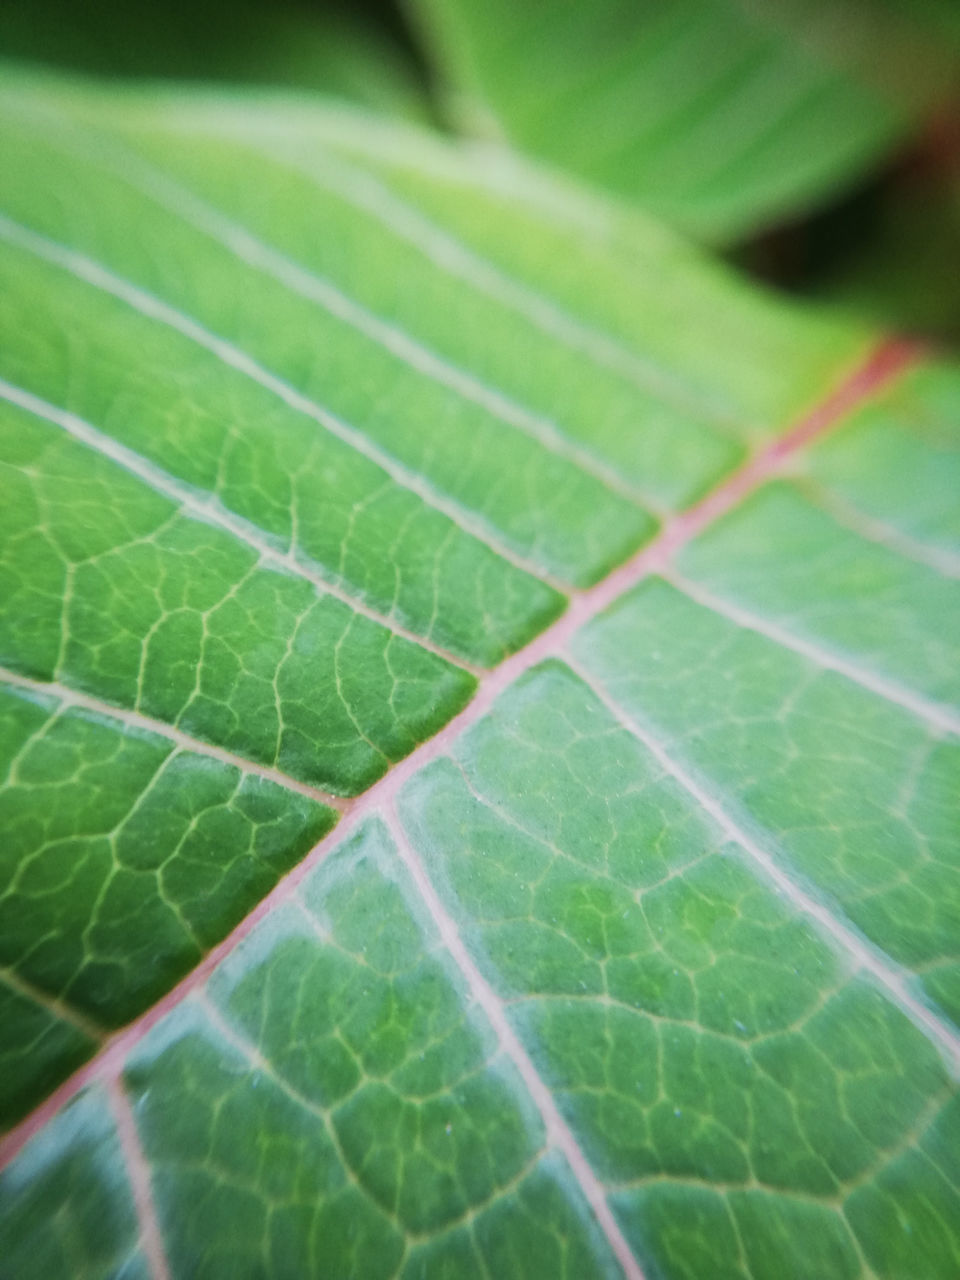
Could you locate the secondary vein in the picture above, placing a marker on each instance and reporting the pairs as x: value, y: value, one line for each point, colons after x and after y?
x: 889, y: 975
x: 877, y: 368
x: 209, y: 509
x: 936, y: 714
x: 56, y: 1007
x: 82, y: 267
x: 137, y: 720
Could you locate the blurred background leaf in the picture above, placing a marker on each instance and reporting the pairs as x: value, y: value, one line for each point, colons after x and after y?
x: 717, y: 115
x: 817, y: 142
x: 815, y: 139
x: 361, y: 52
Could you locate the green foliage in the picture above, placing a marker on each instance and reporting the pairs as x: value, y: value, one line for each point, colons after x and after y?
x: 309, y: 426
x: 720, y: 116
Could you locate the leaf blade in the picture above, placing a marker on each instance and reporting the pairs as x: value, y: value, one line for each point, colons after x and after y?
x: 559, y: 947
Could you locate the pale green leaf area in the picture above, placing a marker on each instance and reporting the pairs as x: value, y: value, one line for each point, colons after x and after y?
x: 648, y: 964
x: 77, y: 1166
x: 720, y: 116
x: 904, y: 480
x: 870, y: 514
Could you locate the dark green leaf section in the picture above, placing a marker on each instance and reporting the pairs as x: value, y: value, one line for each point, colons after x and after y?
x: 896, y: 275
x: 716, y: 115
x: 38, y: 1051
x: 391, y: 1137
x: 110, y: 588
x: 750, y: 1104
x: 323, y: 49
x: 124, y: 860
x: 67, y: 1208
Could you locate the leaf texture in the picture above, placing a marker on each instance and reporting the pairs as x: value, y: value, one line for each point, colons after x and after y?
x: 479, y: 726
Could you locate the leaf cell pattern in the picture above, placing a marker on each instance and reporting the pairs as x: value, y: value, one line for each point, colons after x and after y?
x: 383, y: 503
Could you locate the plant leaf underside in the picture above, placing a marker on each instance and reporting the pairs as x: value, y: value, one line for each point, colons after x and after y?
x: 607, y: 606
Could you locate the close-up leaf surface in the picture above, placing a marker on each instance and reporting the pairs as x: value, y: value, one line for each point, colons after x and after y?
x: 479, y: 724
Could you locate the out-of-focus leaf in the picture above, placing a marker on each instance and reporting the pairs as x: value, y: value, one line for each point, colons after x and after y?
x: 284, y: 44
x: 720, y: 116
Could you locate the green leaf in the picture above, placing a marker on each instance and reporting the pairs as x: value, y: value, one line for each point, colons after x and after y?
x: 286, y: 44
x: 607, y: 606
x: 720, y: 116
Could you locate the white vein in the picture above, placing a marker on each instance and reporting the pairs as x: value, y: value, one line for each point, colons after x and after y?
x: 52, y: 1004
x: 894, y: 980
x: 559, y: 1134
x: 203, y: 506
x: 944, y: 562
x: 68, y: 697
x: 239, y: 241
x: 93, y: 273
x: 360, y: 188
x: 938, y: 715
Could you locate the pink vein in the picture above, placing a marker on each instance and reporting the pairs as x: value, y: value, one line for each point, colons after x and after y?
x: 151, y: 1242
x: 879, y: 367
x: 893, y: 979
x: 558, y: 1131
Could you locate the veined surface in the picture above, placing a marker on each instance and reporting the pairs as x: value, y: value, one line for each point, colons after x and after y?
x: 609, y: 608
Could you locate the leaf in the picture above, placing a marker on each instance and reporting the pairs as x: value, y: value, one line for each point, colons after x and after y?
x: 233, y: 41
x: 609, y: 608
x: 720, y: 116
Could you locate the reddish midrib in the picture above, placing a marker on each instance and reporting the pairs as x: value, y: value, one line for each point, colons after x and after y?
x: 881, y: 365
